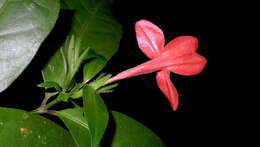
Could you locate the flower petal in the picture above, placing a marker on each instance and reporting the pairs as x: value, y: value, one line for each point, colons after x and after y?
x: 182, y: 45
x: 150, y: 38
x: 167, y: 87
x: 188, y: 65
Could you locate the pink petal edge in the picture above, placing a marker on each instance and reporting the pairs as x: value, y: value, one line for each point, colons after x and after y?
x: 181, y: 45
x: 150, y: 38
x: 188, y: 65
x: 167, y: 87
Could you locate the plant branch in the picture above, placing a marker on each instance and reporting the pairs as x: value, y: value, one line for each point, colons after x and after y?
x: 55, y: 101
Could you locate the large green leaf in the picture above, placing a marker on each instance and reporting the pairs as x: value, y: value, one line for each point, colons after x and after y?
x: 22, y: 129
x: 130, y: 133
x: 24, y: 24
x: 77, y: 125
x: 95, y: 24
x: 95, y: 33
x: 95, y: 113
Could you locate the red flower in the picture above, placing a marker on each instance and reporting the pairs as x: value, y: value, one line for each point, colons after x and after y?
x: 178, y: 56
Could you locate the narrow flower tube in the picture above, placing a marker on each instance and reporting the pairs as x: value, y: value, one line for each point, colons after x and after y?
x: 145, y: 68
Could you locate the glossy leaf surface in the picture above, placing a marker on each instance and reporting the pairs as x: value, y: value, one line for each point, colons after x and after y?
x: 77, y: 125
x: 22, y: 129
x: 130, y: 133
x: 96, y: 114
x: 24, y: 24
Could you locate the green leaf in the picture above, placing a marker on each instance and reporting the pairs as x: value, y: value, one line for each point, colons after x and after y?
x: 107, y: 88
x: 22, y: 129
x: 100, y: 81
x: 94, y: 23
x: 56, y: 69
x: 130, y: 133
x: 77, y: 125
x: 97, y: 85
x: 24, y: 24
x: 48, y: 85
x: 94, y: 33
x: 64, y: 63
x: 64, y: 96
x: 96, y: 114
x: 93, y: 67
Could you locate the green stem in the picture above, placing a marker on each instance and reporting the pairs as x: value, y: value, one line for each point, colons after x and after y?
x: 55, y: 101
x: 46, y: 98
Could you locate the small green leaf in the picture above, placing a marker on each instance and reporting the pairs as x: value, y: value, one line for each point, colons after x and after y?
x: 93, y: 67
x: 107, y: 88
x: 96, y: 114
x: 77, y: 94
x: 22, y: 129
x: 74, y: 57
x: 77, y: 91
x: 24, y: 24
x: 100, y: 81
x: 77, y: 125
x: 64, y: 96
x: 130, y: 133
x: 48, y: 85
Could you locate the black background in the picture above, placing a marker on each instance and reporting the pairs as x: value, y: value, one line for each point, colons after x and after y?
x: 139, y: 97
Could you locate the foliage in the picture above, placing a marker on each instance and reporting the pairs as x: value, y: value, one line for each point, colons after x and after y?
x: 92, y: 40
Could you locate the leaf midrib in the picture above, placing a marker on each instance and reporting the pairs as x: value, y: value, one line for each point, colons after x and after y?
x: 75, y: 120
